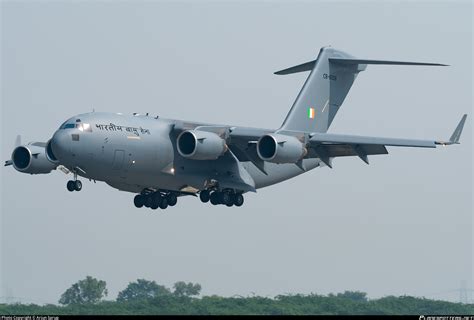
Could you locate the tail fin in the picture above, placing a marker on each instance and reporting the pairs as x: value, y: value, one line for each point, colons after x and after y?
x: 332, y: 75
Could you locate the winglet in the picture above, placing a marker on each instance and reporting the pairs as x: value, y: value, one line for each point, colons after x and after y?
x: 456, y: 134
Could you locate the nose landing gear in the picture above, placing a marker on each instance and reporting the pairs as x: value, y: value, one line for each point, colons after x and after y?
x: 74, y: 185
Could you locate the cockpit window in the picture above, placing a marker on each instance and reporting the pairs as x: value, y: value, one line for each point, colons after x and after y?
x: 62, y: 126
x: 81, y: 126
x: 84, y: 127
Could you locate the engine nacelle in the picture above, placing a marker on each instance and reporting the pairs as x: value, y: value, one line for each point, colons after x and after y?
x: 200, y: 145
x: 34, y: 158
x: 280, y: 148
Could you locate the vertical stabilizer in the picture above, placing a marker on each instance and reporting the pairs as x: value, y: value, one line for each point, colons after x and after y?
x: 323, y: 92
x: 332, y: 75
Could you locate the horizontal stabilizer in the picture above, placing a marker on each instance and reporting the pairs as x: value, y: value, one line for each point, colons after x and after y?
x: 387, y: 62
x: 308, y: 66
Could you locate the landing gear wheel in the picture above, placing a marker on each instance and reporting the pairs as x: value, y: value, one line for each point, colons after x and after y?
x: 70, y: 185
x: 204, y: 196
x: 155, y: 200
x: 139, y: 201
x: 226, y: 198
x: 164, y: 203
x: 238, y: 199
x: 172, y: 199
x: 77, y: 185
x: 148, y: 201
x: 215, y: 198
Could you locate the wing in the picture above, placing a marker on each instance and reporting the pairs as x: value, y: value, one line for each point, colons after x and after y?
x: 326, y: 146
x: 242, y: 141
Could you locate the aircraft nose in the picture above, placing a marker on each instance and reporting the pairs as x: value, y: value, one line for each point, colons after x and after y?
x: 59, y: 144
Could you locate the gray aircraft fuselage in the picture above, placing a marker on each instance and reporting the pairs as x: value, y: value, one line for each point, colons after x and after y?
x: 143, y: 157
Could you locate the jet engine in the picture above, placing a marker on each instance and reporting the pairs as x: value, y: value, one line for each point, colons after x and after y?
x: 279, y: 148
x: 200, y: 145
x: 34, y: 158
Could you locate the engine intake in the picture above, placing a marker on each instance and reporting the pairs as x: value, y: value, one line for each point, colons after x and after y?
x: 200, y: 145
x: 280, y: 148
x: 33, y: 159
x: 49, y: 153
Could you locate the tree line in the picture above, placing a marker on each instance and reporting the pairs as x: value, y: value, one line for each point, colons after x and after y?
x: 147, y: 297
x: 92, y: 291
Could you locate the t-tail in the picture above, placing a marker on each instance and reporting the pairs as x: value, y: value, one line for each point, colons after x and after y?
x: 331, y: 77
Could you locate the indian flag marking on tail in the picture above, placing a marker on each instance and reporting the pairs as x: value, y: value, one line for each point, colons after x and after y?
x: 311, y: 113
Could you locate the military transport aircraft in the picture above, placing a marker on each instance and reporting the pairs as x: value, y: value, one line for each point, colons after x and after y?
x: 162, y: 159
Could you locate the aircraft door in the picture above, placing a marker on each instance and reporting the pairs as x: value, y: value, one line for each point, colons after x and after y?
x: 119, y: 156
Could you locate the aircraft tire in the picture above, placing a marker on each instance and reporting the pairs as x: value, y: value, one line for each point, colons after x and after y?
x: 238, y: 199
x: 155, y: 200
x: 226, y: 198
x: 164, y: 203
x: 139, y: 201
x: 214, y: 198
x: 172, y: 199
x: 70, y: 185
x: 204, y: 195
x: 77, y: 185
x: 148, y: 201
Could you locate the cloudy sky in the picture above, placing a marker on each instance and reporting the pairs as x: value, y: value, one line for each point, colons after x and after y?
x: 402, y: 225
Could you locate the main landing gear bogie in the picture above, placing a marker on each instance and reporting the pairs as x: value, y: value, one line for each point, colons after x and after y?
x: 155, y: 200
x: 225, y: 197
